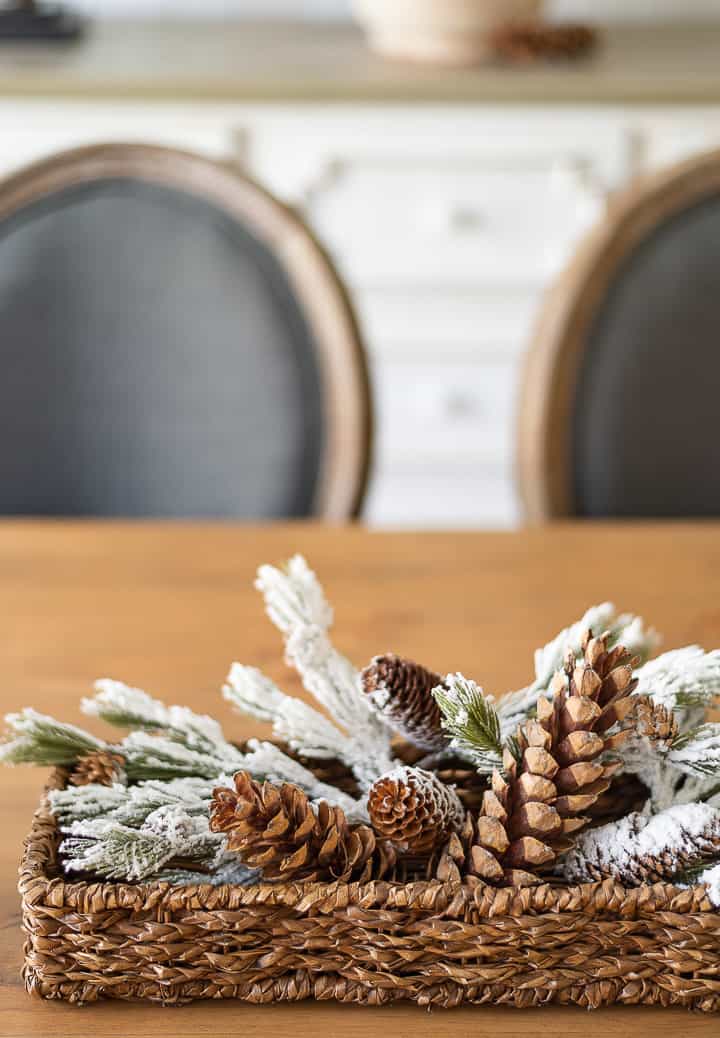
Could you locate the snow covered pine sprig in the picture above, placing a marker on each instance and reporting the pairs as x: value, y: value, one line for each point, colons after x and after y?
x: 397, y: 772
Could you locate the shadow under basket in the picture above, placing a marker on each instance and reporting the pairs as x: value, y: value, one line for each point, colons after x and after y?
x: 592, y: 945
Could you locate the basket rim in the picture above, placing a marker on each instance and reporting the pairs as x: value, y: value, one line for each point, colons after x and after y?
x: 37, y: 886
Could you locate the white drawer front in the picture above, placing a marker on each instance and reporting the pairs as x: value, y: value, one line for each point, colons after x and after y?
x: 452, y: 324
x: 444, y: 410
x: 441, y: 496
x: 452, y: 222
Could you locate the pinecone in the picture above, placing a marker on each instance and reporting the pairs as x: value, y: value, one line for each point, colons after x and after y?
x: 400, y: 689
x: 414, y: 809
x: 530, y: 812
x: 537, y: 41
x: 655, y: 722
x: 101, y: 767
x: 621, y: 852
x: 278, y: 830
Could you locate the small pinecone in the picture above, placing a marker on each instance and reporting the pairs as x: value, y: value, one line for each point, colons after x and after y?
x: 101, y: 767
x: 537, y: 41
x: 414, y: 809
x: 531, y: 812
x: 654, y: 721
x: 278, y: 830
x: 401, y: 692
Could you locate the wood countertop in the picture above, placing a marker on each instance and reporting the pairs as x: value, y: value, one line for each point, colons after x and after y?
x: 168, y: 606
x: 278, y: 61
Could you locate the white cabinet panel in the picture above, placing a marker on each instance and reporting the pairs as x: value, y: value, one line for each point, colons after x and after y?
x: 444, y: 411
x: 442, y: 496
x: 449, y: 324
x: 455, y: 222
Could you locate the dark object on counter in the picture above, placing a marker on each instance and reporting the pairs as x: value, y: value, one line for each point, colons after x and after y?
x: 28, y: 20
x: 537, y: 41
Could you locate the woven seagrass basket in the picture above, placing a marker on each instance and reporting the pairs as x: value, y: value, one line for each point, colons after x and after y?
x: 592, y: 945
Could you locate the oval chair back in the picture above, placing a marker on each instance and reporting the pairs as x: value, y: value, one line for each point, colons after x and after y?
x: 619, y: 412
x: 173, y: 342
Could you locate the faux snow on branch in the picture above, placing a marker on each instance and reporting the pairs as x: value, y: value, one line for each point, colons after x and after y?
x: 297, y: 605
x: 681, y: 679
x: 636, y: 849
x: 127, y: 707
x: 514, y: 708
x: 116, y: 851
x: 294, y: 722
x: 698, y: 751
x: 38, y: 739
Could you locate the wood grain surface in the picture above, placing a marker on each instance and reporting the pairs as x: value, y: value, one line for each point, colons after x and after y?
x: 169, y: 606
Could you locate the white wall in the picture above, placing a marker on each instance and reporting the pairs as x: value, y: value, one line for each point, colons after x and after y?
x: 615, y: 10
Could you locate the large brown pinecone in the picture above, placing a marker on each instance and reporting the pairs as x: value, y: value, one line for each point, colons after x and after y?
x: 101, y: 767
x: 414, y: 809
x: 531, y: 811
x: 401, y: 691
x: 278, y: 830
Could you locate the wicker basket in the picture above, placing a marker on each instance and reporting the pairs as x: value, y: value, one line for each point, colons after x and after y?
x: 591, y: 945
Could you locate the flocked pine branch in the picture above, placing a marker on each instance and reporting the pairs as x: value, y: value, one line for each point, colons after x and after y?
x: 697, y: 752
x: 297, y: 605
x: 112, y: 850
x: 294, y: 722
x: 131, y: 805
x: 34, y: 738
x: 149, y: 756
x: 131, y: 708
x: 684, y: 680
x: 515, y: 707
x: 470, y: 718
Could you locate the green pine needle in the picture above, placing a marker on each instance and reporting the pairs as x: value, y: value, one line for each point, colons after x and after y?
x: 471, y: 719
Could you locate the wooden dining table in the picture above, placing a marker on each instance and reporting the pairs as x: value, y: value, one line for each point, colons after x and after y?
x: 168, y: 607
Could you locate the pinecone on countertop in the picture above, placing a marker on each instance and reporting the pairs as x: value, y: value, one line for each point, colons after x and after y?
x: 401, y: 691
x: 654, y: 721
x: 101, y: 767
x: 414, y: 809
x: 554, y: 775
x: 278, y: 830
x: 539, y: 41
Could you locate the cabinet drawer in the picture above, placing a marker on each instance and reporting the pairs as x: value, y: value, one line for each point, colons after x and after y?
x: 452, y: 222
x: 472, y: 325
x: 468, y: 496
x: 444, y: 410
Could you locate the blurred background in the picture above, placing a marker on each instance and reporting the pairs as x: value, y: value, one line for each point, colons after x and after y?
x: 169, y: 348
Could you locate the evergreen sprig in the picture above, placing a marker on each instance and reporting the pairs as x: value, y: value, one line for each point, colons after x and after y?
x: 469, y: 716
x: 698, y: 751
x: 35, y: 738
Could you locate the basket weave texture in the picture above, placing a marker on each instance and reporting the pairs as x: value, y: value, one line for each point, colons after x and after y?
x: 591, y: 945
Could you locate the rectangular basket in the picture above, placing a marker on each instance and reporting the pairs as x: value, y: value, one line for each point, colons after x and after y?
x: 592, y: 945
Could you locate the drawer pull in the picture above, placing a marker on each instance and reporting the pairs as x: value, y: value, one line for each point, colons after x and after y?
x: 459, y: 406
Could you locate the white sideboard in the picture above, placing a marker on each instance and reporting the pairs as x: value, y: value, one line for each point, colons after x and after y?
x: 448, y: 220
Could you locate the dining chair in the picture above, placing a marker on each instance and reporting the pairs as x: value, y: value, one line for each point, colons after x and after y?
x: 173, y: 342
x: 620, y: 403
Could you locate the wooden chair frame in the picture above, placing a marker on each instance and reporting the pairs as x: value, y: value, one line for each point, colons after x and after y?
x: 319, y: 291
x: 552, y: 366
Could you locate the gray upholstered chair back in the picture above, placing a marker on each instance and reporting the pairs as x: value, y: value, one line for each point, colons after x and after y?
x: 630, y: 363
x: 160, y: 355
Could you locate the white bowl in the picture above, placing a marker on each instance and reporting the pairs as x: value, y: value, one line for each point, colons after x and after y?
x: 450, y: 32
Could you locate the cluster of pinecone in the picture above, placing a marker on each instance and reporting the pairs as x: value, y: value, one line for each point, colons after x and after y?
x: 446, y: 822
